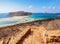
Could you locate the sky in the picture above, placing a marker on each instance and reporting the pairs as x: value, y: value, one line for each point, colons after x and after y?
x: 50, y: 6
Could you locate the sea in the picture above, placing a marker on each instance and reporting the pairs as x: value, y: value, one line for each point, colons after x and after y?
x: 44, y: 16
x: 35, y: 16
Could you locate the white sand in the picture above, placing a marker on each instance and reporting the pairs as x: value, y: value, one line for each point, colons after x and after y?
x: 14, y: 18
x: 19, y: 19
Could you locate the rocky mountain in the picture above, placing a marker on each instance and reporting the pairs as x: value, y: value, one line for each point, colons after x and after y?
x: 19, y: 13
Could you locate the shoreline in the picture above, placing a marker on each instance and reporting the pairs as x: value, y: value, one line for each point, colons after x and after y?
x: 28, y: 23
x: 12, y: 19
x: 20, y: 20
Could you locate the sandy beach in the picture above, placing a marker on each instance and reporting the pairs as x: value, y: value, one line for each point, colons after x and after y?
x: 18, y: 19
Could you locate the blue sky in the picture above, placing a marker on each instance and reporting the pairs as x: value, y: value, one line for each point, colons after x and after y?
x: 30, y: 5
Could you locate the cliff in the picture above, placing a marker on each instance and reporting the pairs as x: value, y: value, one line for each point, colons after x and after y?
x: 27, y: 33
x: 19, y: 13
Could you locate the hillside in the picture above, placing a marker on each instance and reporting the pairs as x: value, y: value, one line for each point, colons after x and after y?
x: 27, y: 33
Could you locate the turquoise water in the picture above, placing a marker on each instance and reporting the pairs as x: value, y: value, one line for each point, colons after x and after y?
x: 7, y: 22
x: 33, y: 16
x: 44, y: 16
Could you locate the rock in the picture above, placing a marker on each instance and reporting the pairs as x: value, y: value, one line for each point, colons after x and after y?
x: 1, y: 41
x: 10, y: 36
x: 18, y: 36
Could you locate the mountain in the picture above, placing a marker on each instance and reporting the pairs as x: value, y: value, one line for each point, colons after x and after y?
x: 19, y: 13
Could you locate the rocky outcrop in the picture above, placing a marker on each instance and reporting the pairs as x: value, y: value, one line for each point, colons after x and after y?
x: 19, y: 13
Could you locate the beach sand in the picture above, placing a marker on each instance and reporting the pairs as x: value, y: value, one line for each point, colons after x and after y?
x: 19, y: 19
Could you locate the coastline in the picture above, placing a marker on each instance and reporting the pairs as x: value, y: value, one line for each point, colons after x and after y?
x: 11, y: 19
x: 28, y: 23
x: 19, y: 20
x: 34, y: 29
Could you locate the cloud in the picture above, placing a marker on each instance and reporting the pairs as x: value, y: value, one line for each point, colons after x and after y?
x: 30, y: 6
x: 49, y: 7
x: 53, y: 7
x: 43, y: 7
